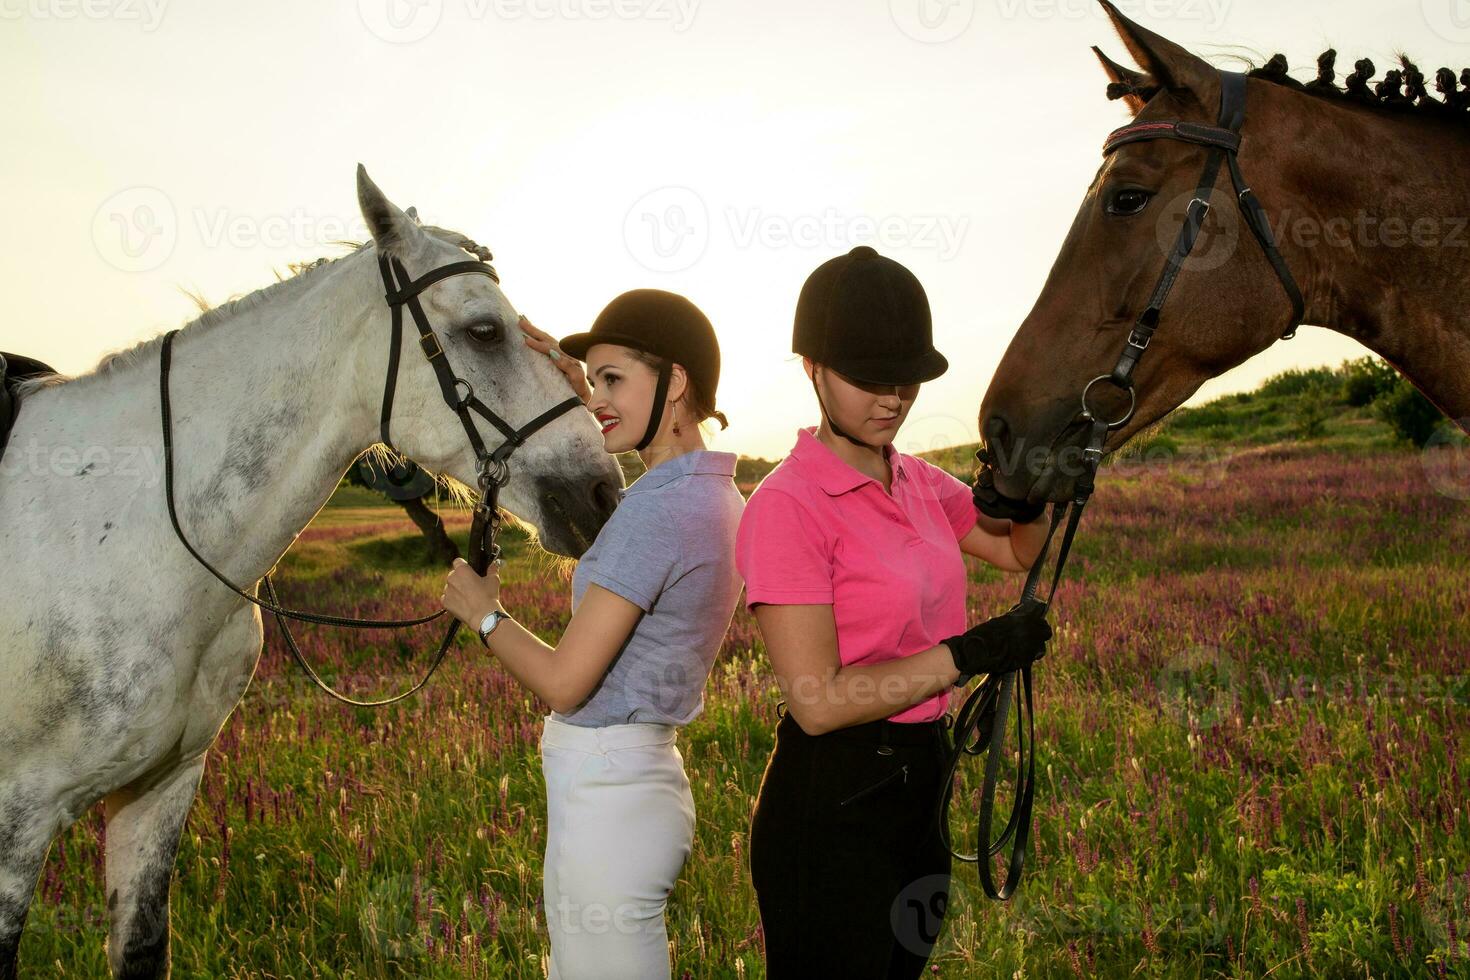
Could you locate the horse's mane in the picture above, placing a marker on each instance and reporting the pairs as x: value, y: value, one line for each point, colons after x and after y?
x: 1403, y: 89
x: 211, y: 316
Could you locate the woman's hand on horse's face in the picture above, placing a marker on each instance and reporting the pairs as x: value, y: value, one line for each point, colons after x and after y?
x: 471, y: 597
x: 542, y: 341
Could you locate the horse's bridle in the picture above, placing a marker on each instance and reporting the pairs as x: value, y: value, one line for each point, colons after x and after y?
x: 993, y: 697
x: 493, y: 467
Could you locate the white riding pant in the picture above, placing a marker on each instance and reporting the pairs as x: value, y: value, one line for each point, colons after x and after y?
x: 620, y: 825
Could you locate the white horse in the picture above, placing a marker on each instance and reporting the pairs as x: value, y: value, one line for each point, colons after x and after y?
x: 120, y: 656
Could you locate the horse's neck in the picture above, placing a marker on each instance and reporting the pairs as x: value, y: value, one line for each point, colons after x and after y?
x: 1398, y: 284
x: 266, y: 419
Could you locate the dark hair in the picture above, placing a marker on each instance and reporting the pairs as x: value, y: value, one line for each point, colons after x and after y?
x: 696, y: 399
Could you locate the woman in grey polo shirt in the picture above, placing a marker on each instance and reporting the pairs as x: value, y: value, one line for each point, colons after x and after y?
x: 651, y: 601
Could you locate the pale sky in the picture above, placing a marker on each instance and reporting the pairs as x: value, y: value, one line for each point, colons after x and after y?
x: 716, y: 148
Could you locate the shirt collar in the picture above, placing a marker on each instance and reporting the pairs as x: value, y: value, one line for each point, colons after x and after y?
x: 685, y: 464
x: 834, y: 474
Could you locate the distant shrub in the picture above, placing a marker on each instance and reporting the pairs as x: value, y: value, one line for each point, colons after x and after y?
x: 1203, y: 417
x: 1365, y: 380
x: 1411, y: 415
x: 1150, y: 447
x: 1299, y: 382
x: 1311, y: 420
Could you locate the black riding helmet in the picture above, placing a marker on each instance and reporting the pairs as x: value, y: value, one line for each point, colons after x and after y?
x: 661, y: 323
x: 866, y: 317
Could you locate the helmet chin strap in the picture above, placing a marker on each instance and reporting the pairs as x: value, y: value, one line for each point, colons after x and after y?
x: 832, y: 423
x: 656, y: 415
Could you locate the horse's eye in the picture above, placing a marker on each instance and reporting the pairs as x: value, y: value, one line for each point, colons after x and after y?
x: 485, y: 333
x: 1129, y: 202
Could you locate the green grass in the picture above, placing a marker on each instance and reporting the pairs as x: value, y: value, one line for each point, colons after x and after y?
x: 1250, y: 723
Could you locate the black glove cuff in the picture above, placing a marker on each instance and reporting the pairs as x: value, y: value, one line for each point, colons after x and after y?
x: 954, y: 643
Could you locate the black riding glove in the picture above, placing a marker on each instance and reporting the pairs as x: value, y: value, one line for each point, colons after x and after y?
x: 989, y: 501
x: 1003, y: 643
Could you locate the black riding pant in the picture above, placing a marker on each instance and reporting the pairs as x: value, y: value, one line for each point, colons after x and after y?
x: 849, y: 871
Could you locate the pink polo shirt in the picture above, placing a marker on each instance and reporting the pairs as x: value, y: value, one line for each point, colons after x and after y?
x: 816, y: 531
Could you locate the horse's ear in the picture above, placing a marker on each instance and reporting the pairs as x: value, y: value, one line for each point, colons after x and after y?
x: 1133, y: 87
x: 391, y: 228
x: 1166, y: 62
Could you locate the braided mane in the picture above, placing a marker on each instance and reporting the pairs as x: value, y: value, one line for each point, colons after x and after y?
x: 1404, y: 88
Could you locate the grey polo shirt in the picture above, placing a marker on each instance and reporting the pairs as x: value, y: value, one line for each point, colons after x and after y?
x: 669, y: 548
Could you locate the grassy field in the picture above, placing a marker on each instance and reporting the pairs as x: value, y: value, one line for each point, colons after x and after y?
x: 1250, y: 724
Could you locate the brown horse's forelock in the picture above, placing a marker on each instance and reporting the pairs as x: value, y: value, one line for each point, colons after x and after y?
x: 1403, y: 89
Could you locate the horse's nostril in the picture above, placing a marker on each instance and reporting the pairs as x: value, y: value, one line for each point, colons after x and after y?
x: 604, y: 498
x: 995, y: 431
x: 996, y: 428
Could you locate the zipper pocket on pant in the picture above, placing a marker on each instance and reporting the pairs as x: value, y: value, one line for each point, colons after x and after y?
x: 902, y: 770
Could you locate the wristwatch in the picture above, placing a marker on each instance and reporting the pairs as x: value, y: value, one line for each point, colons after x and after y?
x: 488, y: 624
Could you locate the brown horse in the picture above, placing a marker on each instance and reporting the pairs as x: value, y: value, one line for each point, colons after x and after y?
x: 1365, y: 191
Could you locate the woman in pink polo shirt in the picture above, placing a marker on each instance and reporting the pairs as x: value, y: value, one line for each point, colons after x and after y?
x: 852, y: 555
